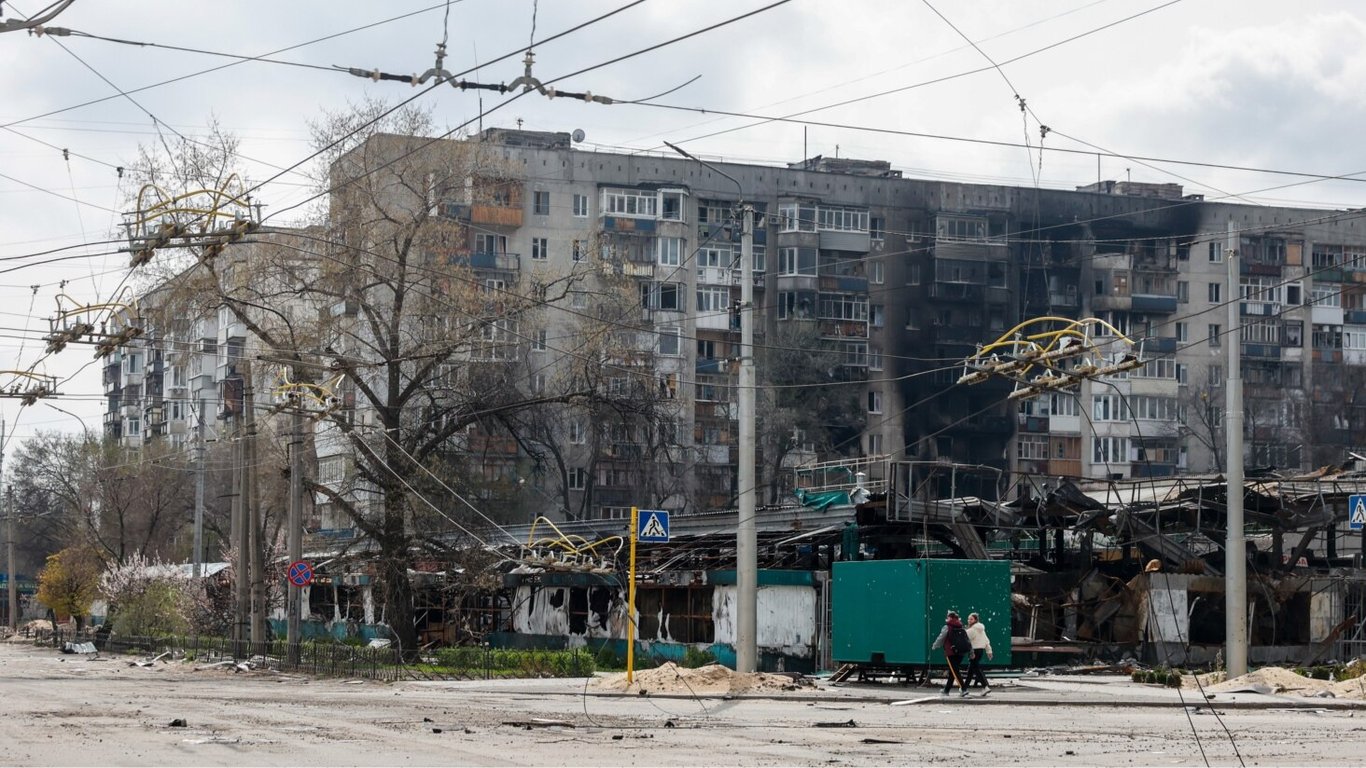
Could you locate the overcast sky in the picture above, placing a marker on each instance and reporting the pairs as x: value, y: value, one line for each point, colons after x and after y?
x: 1272, y: 85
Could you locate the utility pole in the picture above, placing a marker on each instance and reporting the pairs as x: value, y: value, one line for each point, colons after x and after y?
x: 242, y: 564
x: 9, y: 538
x: 746, y: 538
x: 9, y: 553
x: 294, y: 595
x: 1235, y: 551
x: 252, y: 515
x: 199, y: 495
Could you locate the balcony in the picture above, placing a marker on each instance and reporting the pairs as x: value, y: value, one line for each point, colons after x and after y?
x: 844, y: 329
x: 1259, y: 268
x: 712, y: 365
x: 1261, y: 308
x: 1354, y: 316
x: 969, y: 292
x: 503, y: 262
x: 629, y: 224
x: 844, y: 283
x: 1152, y: 303
x: 988, y: 425
x: 1327, y: 355
x: 1257, y: 351
x: 1063, y: 300
x: 1329, y: 275
x: 1162, y: 345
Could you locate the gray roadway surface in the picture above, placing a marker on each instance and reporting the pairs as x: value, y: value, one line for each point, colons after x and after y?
x: 68, y: 710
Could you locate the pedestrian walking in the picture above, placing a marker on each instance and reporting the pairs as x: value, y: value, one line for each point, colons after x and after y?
x: 981, y: 644
x: 953, y: 638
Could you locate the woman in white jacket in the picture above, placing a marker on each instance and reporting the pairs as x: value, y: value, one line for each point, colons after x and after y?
x: 977, y: 633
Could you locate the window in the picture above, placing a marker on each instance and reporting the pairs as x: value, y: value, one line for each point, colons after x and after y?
x: 1182, y: 334
x: 580, y: 205
x: 577, y: 434
x: 670, y: 342
x: 540, y: 248
x: 1031, y: 447
x: 1152, y: 408
x: 797, y: 261
x: 840, y: 219
x: 1327, y: 336
x: 1216, y: 253
x: 486, y: 243
x: 670, y: 251
x: 660, y: 296
x: 1216, y: 375
x: 1108, y: 408
x: 1183, y: 292
x: 1294, y: 333
x: 1161, y: 368
x: 133, y: 363
x: 797, y: 217
x: 1215, y: 334
x: 1214, y: 292
x: 538, y: 383
x: 1293, y: 294
x: 578, y: 479
x: 635, y: 203
x: 1182, y: 374
x: 914, y: 279
x: 578, y: 300
x: 1325, y: 296
x: 876, y: 228
x: 713, y: 299
x: 875, y: 275
x: 576, y: 249
x: 671, y: 206
x: 177, y: 375
x: 134, y: 427
x: 716, y: 257
x: 874, y: 358
x: 875, y: 402
x: 1109, y: 450
x: 877, y: 315
x: 961, y: 228
x: 540, y: 203
x: 1262, y: 332
x: 538, y: 341
x: 875, y: 445
x: 1063, y: 405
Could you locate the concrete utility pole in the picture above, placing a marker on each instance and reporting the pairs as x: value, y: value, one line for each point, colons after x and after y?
x: 252, y: 515
x: 294, y: 595
x: 746, y: 538
x: 9, y: 539
x: 199, y: 494
x: 241, y: 566
x: 1235, y: 552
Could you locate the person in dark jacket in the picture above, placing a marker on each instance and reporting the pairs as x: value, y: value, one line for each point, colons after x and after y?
x: 953, y: 638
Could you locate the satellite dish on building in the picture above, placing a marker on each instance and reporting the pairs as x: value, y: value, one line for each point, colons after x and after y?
x: 578, y: 135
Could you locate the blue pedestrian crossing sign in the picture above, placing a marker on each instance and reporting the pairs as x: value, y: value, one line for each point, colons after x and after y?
x: 653, y: 526
x: 1356, y: 512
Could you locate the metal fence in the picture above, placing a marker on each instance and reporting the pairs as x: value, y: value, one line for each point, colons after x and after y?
x: 335, y: 659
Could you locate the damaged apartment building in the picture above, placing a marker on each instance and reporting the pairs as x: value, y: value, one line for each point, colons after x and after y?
x: 867, y: 287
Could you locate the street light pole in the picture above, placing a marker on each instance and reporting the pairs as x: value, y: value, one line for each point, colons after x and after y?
x: 746, y: 537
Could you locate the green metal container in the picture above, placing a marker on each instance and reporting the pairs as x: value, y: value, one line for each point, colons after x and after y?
x: 890, y: 611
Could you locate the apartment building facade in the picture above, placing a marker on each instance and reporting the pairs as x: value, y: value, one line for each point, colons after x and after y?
x: 896, y: 280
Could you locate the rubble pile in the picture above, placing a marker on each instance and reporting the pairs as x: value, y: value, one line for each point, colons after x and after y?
x: 1279, y: 680
x: 711, y: 680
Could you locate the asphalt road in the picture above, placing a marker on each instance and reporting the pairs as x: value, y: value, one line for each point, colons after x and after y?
x: 69, y: 710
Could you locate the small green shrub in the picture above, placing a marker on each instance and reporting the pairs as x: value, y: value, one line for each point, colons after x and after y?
x: 606, y: 658
x: 694, y: 658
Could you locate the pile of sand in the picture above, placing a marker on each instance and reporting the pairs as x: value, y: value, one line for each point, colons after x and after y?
x: 1279, y: 680
x: 711, y: 680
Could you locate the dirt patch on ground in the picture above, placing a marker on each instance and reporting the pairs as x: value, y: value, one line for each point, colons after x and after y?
x: 711, y: 680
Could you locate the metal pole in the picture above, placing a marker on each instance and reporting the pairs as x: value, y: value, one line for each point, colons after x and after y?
x: 1235, y: 553
x: 746, y: 544
x: 294, y: 599
x: 199, y: 495
x: 631, y: 603
x: 241, y: 566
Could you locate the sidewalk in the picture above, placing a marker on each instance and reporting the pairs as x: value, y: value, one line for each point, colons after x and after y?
x: 1042, y: 691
